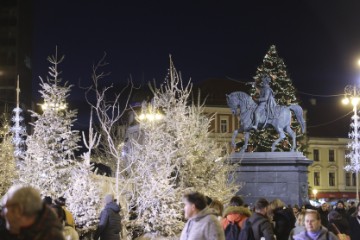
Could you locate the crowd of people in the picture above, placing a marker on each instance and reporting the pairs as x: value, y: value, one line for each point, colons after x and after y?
x: 209, y: 219
x: 26, y: 216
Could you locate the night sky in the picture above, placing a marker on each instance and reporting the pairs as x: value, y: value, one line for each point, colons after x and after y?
x: 318, y: 40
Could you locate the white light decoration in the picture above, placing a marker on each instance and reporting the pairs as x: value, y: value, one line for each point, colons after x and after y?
x: 53, y: 105
x: 18, y: 130
x: 352, y: 95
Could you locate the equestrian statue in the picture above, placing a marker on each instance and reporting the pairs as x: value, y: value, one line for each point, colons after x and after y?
x: 264, y: 114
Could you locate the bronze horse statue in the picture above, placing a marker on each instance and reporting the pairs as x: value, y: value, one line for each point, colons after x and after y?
x: 281, y: 121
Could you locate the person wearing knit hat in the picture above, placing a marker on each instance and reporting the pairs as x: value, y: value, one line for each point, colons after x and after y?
x: 340, y: 208
x: 108, y: 198
x: 110, y: 221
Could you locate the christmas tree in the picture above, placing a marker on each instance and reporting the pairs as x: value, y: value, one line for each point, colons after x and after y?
x: 8, y: 171
x: 50, y: 149
x: 175, y: 154
x: 83, y: 196
x: 285, y: 94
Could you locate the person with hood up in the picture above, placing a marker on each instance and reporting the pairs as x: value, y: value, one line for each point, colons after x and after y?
x: 202, y: 223
x: 235, y: 213
x: 110, y: 221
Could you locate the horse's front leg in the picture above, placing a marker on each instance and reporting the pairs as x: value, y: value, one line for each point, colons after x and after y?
x: 246, y: 141
x: 233, y: 144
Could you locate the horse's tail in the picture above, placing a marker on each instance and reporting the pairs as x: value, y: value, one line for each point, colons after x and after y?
x: 299, y: 115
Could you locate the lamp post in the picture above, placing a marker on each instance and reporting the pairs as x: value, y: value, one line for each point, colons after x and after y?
x: 315, y: 191
x: 149, y: 113
x: 352, y: 95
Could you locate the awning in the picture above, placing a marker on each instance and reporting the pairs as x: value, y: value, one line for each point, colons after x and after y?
x: 336, y: 195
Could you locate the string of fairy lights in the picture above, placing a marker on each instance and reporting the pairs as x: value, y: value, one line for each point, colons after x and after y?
x: 300, y: 92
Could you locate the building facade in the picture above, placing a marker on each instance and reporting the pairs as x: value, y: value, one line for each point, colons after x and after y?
x: 327, y: 175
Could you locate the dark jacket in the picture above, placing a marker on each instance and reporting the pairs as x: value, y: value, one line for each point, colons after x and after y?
x: 351, y: 211
x: 4, y: 233
x: 339, y: 221
x: 324, y: 217
x: 261, y: 227
x: 354, y: 223
x: 342, y: 212
x: 284, y: 220
x: 110, y: 223
x: 342, y: 225
x: 47, y: 226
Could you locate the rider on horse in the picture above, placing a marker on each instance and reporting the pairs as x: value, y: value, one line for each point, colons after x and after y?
x: 266, y: 102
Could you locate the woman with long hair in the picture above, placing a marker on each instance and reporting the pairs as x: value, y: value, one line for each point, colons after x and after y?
x: 283, y: 219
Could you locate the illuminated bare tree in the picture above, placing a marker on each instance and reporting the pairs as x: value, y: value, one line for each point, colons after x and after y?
x: 109, y: 111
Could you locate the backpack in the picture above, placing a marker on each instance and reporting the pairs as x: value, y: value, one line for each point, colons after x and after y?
x: 234, y: 232
x: 247, y: 233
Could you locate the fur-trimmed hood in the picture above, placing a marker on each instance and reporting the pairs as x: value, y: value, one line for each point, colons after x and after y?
x: 237, y: 210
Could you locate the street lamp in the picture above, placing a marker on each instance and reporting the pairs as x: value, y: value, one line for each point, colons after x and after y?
x: 315, y: 191
x: 149, y: 113
x: 352, y: 95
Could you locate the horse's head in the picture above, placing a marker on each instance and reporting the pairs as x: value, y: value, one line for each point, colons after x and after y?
x: 240, y: 100
x: 232, y: 103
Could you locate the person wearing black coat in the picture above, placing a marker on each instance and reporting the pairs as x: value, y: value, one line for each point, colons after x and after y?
x: 354, y: 222
x: 340, y: 223
x: 260, y: 223
x: 324, y: 212
x: 283, y: 219
x: 340, y: 208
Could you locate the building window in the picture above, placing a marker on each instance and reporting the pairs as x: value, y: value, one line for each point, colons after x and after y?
x: 347, y: 157
x: 223, y: 125
x: 331, y: 179
x: 353, y: 179
x: 348, y: 179
x: 316, y: 154
x: 316, y: 178
x: 331, y: 155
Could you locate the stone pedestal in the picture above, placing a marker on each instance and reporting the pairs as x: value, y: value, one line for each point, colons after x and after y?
x: 272, y: 175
